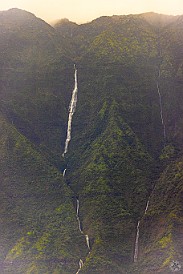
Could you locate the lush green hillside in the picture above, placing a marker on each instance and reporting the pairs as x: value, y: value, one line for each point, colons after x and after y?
x: 162, y: 243
x: 35, y: 83
x: 39, y: 231
x: 126, y: 144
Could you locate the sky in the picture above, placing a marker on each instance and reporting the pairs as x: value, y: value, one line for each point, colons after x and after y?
x: 81, y: 11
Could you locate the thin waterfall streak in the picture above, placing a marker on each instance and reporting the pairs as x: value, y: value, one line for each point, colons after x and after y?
x: 72, y: 109
x: 80, y: 228
x: 80, y: 266
x: 87, y: 241
x: 161, y: 107
x: 81, y: 263
x: 160, y: 103
x: 147, y: 206
x: 64, y: 172
x: 77, y: 209
x: 79, y: 224
x: 135, y: 259
x: 137, y: 243
x: 77, y: 216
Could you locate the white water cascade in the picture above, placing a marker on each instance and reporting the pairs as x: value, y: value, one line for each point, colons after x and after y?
x: 72, y: 108
x: 80, y: 266
x: 77, y: 216
x: 137, y: 243
x: 80, y: 229
x: 147, y: 206
x: 86, y: 236
x: 135, y: 258
x: 160, y: 104
x: 87, y: 241
x: 64, y: 172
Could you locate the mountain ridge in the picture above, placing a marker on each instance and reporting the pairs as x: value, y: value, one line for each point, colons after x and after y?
x: 129, y: 77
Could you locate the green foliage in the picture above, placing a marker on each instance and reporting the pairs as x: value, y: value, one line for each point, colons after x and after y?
x: 165, y: 240
x: 117, y: 156
x: 167, y: 153
x: 35, y: 231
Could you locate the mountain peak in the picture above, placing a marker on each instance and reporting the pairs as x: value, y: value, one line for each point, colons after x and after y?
x: 16, y: 11
x: 158, y: 19
x: 16, y: 15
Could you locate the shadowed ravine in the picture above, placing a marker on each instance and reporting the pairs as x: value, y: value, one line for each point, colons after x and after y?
x: 136, y: 249
x: 161, y: 107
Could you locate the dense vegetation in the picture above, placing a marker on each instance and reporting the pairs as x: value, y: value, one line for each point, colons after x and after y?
x: 118, y: 158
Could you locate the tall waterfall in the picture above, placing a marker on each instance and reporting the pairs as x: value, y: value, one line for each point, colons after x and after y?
x: 160, y: 104
x: 72, y: 108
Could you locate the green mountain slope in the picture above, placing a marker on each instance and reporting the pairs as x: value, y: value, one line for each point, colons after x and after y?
x: 39, y: 230
x: 26, y: 39
x: 126, y: 146
x: 162, y: 243
x: 114, y: 173
x: 34, y: 78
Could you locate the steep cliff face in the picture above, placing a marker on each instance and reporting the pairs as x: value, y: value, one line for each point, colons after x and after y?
x: 161, y: 231
x: 122, y: 174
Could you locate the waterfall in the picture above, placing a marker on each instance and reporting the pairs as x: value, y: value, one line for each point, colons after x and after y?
x: 79, y: 223
x: 77, y: 208
x: 137, y: 243
x: 80, y: 229
x: 135, y: 258
x: 77, y: 216
x: 147, y: 205
x: 80, y: 266
x: 64, y: 172
x: 72, y: 108
x: 160, y: 104
x: 87, y: 241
